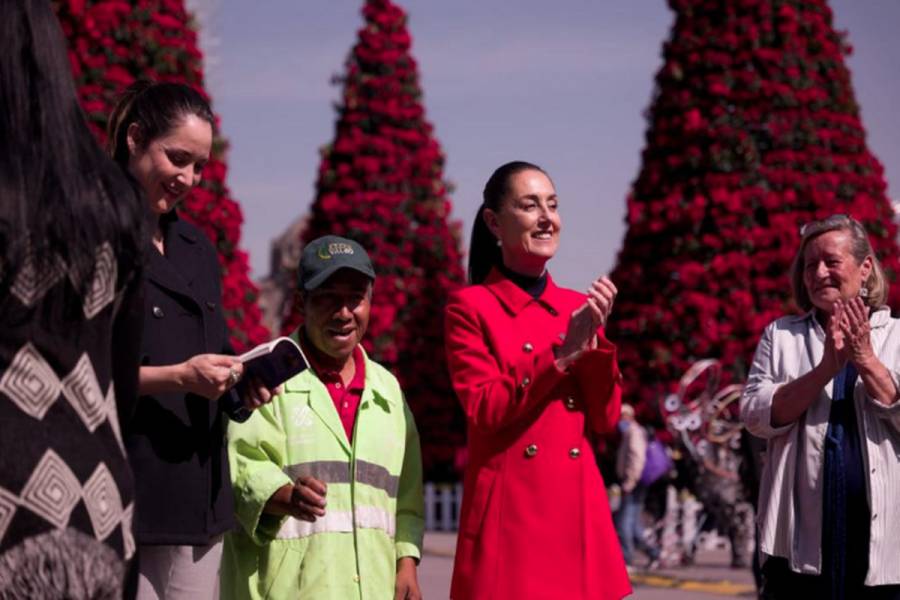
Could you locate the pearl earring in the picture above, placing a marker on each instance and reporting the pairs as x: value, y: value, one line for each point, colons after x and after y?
x: 499, y: 243
x: 863, y: 292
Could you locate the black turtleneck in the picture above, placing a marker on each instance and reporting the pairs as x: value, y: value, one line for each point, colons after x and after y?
x: 533, y: 286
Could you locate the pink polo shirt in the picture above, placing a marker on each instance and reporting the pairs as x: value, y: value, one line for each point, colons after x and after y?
x: 346, y: 398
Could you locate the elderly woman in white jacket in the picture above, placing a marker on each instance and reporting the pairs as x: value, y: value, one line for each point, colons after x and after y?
x: 823, y: 390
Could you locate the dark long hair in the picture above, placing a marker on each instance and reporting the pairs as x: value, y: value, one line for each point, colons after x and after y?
x: 60, y: 195
x: 484, y: 253
x: 156, y: 108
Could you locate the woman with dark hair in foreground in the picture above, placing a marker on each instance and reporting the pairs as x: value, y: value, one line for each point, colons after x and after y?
x: 161, y: 134
x: 70, y: 321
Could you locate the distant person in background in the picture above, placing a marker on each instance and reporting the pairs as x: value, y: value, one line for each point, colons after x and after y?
x: 753, y: 456
x: 71, y: 243
x: 537, y: 379
x: 823, y: 391
x: 630, y: 462
x: 161, y: 133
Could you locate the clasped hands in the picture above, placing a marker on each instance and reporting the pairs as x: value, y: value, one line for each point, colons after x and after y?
x: 847, y: 335
x: 581, y: 334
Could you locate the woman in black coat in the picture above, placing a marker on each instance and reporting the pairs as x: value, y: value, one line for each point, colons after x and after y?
x: 161, y: 133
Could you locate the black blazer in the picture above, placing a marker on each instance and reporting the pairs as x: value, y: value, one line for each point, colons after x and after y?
x: 176, y: 441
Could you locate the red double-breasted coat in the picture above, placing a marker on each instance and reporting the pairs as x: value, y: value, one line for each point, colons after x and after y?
x: 535, y: 521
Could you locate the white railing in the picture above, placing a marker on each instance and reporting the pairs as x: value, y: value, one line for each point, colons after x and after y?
x: 442, y: 503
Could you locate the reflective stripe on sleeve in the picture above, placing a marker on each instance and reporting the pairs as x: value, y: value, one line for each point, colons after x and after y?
x: 337, y: 471
x: 372, y: 517
x: 377, y: 477
x: 329, y: 471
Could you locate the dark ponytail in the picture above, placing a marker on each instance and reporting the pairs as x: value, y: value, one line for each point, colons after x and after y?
x: 484, y: 253
x: 156, y: 108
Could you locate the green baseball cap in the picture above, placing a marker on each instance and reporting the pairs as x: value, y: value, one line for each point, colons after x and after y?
x: 324, y: 256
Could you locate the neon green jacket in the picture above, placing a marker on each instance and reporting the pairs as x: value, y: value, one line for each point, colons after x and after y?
x: 375, y: 507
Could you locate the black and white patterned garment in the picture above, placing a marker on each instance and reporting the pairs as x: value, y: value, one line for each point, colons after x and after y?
x: 66, y: 490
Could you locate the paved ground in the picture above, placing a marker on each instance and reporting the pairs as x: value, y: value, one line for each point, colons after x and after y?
x: 710, y: 578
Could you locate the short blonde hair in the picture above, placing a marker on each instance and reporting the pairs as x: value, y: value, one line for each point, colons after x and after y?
x: 860, y: 248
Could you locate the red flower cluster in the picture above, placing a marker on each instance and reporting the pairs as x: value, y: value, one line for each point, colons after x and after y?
x: 381, y: 183
x: 113, y: 42
x: 754, y: 131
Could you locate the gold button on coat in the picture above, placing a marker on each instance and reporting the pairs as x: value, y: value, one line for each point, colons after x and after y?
x: 527, y: 347
x: 570, y: 402
x: 574, y: 453
x: 531, y: 450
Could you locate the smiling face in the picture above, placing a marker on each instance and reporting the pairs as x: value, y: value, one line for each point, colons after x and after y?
x: 830, y: 272
x: 336, y: 314
x: 168, y: 166
x: 527, y: 223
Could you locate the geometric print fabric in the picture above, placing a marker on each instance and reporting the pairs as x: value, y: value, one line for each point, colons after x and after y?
x: 82, y: 390
x: 53, y: 491
x: 104, y: 505
x: 30, y: 382
x: 102, y: 290
x: 112, y: 416
x: 127, y: 533
x: 30, y: 286
x: 32, y: 385
x: 8, y: 504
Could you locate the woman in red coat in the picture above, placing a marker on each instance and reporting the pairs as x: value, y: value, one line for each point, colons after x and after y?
x: 537, y: 379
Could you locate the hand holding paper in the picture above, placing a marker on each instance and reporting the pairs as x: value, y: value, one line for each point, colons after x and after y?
x: 275, y: 362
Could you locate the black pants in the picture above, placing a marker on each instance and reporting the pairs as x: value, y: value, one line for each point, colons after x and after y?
x: 780, y: 583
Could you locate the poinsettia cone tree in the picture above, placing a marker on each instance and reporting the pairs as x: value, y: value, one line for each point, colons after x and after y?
x: 380, y: 182
x: 753, y: 131
x: 113, y: 42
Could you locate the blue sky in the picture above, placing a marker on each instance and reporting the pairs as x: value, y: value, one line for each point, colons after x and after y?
x: 563, y: 84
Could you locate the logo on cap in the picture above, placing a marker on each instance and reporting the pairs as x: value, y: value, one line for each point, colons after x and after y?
x: 327, y: 254
x: 334, y: 249
x: 339, y: 248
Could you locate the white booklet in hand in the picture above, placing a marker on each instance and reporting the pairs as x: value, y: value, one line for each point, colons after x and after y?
x: 274, y: 362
